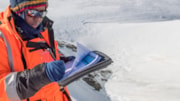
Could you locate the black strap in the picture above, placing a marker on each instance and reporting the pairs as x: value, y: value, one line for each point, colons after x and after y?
x: 22, y: 56
x: 47, y: 22
x: 65, y: 93
x: 37, y: 45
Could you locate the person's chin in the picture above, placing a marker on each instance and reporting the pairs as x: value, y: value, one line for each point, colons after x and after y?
x: 34, y: 26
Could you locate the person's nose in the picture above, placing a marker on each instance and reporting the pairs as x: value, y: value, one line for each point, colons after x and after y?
x: 37, y: 18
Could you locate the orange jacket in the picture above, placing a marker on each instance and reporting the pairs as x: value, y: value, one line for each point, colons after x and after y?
x: 11, y: 48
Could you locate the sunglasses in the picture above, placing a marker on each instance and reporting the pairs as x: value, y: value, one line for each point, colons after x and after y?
x: 36, y: 13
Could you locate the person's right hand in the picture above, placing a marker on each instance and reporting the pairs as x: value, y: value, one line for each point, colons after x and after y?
x: 55, y: 70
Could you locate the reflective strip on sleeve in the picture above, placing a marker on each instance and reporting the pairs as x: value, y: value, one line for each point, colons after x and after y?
x: 10, y: 58
x: 10, y: 87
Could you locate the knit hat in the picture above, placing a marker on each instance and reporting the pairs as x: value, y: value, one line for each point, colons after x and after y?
x: 19, y: 6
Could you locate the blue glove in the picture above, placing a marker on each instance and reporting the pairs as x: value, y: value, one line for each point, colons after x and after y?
x: 55, y: 70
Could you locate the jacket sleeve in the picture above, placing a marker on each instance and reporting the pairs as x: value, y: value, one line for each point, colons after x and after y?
x: 7, y: 79
x: 15, y: 86
x: 29, y: 81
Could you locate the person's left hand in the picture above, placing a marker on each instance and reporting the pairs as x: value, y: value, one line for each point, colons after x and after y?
x: 55, y: 70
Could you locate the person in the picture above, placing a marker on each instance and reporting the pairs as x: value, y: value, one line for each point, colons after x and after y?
x: 30, y: 66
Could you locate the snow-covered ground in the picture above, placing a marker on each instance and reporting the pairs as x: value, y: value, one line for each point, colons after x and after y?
x: 141, y: 36
x: 146, y: 59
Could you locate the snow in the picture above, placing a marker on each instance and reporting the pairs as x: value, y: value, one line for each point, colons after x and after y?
x: 146, y: 60
x: 80, y: 91
x: 141, y: 36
